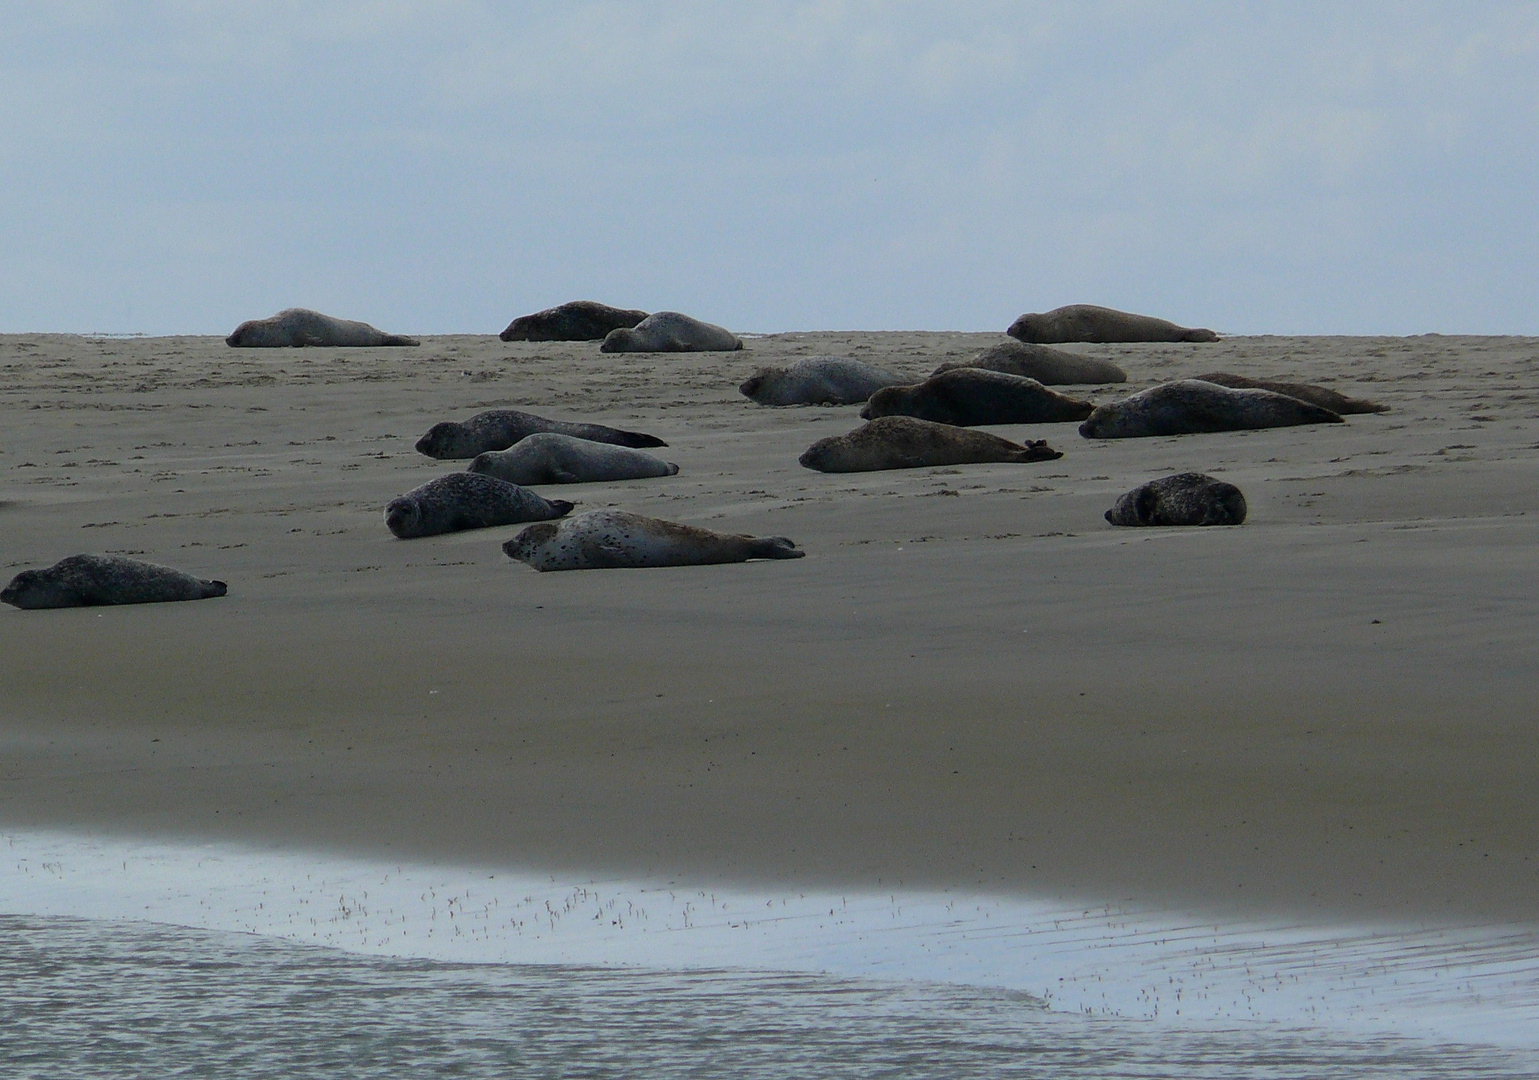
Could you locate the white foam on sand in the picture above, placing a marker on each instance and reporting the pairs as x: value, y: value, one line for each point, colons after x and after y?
x: 1471, y: 983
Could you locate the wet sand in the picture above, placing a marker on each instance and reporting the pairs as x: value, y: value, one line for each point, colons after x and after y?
x: 972, y: 680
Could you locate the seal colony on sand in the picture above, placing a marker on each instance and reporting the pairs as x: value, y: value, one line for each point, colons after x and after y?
x: 299, y: 327
x: 902, y: 442
x: 1102, y: 325
x: 614, y: 539
x: 1183, y: 499
x: 92, y: 580
x: 1050, y: 367
x: 1315, y: 395
x: 547, y: 457
x: 819, y: 380
x: 576, y: 320
x: 466, y: 500
x: 499, y: 429
x: 668, y: 331
x: 969, y: 397
x: 1192, y: 406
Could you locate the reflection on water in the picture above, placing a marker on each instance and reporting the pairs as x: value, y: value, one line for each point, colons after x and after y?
x: 96, y: 998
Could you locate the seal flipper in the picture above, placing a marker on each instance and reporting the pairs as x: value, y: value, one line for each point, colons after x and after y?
x: 561, y: 507
x: 212, y: 589
x: 774, y: 547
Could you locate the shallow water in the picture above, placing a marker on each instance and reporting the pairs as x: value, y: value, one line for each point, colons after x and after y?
x: 93, y: 998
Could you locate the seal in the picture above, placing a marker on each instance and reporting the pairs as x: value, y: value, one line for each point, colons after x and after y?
x: 1192, y: 406
x: 1187, y: 498
x: 1315, y: 395
x: 968, y: 397
x: 576, y: 320
x: 902, y: 442
x: 92, y: 580
x: 500, y: 428
x: 549, y: 458
x: 614, y: 539
x: 1049, y: 366
x: 819, y: 380
x: 1087, y: 322
x: 295, y: 327
x: 668, y: 331
x: 466, y: 500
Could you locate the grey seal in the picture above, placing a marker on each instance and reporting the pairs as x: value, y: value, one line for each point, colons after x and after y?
x: 91, y: 580
x: 902, y: 442
x: 614, y: 539
x: 1087, y: 322
x: 1315, y: 395
x: 1183, y: 499
x: 499, y: 429
x: 819, y: 380
x: 968, y: 397
x: 1049, y: 366
x: 1192, y: 406
x: 576, y: 320
x: 550, y: 458
x: 668, y: 331
x: 466, y: 500
x: 295, y: 327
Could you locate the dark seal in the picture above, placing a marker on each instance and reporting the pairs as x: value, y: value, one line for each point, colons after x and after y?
x: 819, y: 380
x: 466, y: 500
x: 969, y: 397
x: 501, y: 428
x: 1183, y: 499
x: 1049, y: 366
x: 300, y: 327
x: 576, y: 320
x: 614, y: 539
x: 1315, y: 395
x: 902, y: 442
x: 1192, y: 407
x: 1102, y: 325
x: 92, y: 580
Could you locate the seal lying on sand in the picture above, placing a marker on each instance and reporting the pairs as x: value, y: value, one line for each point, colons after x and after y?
x: 1087, y: 322
x: 300, y: 326
x: 668, y: 331
x: 90, y: 580
x: 548, y: 458
x: 613, y: 539
x: 819, y: 380
x: 576, y: 320
x: 1192, y: 406
x: 1050, y: 367
x: 1187, y: 498
x: 968, y: 397
x: 466, y: 500
x: 902, y: 442
x: 501, y: 428
x: 1315, y: 395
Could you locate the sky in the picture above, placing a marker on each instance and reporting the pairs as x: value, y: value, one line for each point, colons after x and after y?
x: 443, y: 166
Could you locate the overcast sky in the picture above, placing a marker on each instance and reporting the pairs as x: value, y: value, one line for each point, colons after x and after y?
x: 443, y: 166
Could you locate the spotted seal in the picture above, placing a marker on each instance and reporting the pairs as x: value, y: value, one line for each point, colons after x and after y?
x: 576, y: 320
x: 614, y: 539
x: 902, y: 442
x: 969, y: 397
x: 547, y: 457
x: 92, y: 580
x: 1192, y: 406
x: 1183, y: 499
x: 1315, y: 395
x: 466, y: 500
x: 499, y: 429
x: 1087, y: 322
x: 1049, y: 366
x: 668, y: 331
x: 294, y: 327
x: 819, y: 380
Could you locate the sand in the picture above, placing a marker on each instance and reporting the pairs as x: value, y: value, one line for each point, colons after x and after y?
x: 972, y: 680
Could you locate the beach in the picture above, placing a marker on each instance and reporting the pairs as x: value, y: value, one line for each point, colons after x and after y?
x: 972, y: 680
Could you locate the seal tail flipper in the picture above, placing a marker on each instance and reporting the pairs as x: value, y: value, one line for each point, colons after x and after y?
x: 774, y: 547
x: 212, y: 589
x: 637, y: 440
x: 561, y: 507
